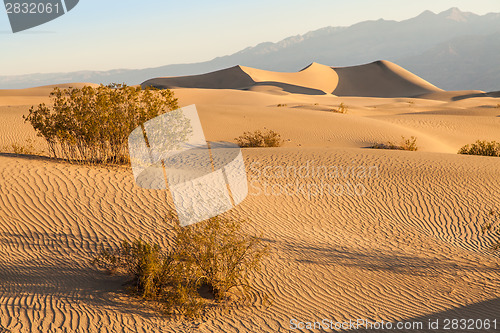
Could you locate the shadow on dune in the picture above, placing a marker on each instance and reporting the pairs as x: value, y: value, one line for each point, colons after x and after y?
x: 483, y: 111
x: 290, y: 88
x: 377, y: 261
x: 229, y: 78
x: 467, y: 96
x: 31, y: 157
x: 55, y: 268
x: 480, y: 313
x: 67, y: 284
x: 323, y: 254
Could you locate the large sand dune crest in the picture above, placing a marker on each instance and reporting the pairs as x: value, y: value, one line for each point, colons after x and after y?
x: 315, y: 77
x: 230, y: 78
x: 378, y: 79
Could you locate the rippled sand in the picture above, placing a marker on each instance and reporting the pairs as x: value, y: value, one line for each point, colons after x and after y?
x: 381, y: 235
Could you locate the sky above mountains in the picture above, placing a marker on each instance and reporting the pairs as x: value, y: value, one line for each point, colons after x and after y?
x: 112, y: 34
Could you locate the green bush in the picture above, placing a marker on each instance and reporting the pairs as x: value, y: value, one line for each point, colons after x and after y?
x: 406, y: 144
x: 91, y: 125
x: 483, y: 148
x: 259, y: 139
x: 493, y: 227
x: 214, y: 253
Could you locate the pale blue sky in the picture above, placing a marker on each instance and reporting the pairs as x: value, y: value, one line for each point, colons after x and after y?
x: 111, y: 34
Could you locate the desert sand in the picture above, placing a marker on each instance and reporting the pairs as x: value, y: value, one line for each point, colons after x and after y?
x: 384, y: 235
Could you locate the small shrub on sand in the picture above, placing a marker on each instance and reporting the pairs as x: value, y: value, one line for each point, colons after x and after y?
x: 24, y: 149
x: 342, y: 108
x: 493, y: 226
x: 221, y: 255
x: 91, y: 125
x: 406, y: 144
x: 483, y: 148
x: 282, y: 105
x: 213, y: 254
x: 259, y: 139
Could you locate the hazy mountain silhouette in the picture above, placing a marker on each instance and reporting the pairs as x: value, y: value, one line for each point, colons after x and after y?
x: 453, y: 50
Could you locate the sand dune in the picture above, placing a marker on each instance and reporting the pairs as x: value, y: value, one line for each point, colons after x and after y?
x: 402, y: 241
x: 314, y: 76
x: 378, y: 79
x: 307, y: 120
x: 30, y: 96
x: 230, y: 78
x: 315, y: 79
x: 42, y: 91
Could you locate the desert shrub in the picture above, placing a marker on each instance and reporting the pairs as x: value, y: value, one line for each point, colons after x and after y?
x: 493, y: 226
x: 281, y: 105
x: 342, y: 108
x: 155, y: 275
x: 484, y: 148
x: 259, y: 139
x: 214, y: 253
x: 409, y: 144
x: 91, y: 125
x: 143, y: 261
x: 220, y: 253
x: 406, y: 144
x: 25, y: 149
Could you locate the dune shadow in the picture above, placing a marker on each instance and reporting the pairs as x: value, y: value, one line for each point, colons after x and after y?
x: 68, y: 283
x: 229, y: 78
x: 494, y: 94
x: 45, y: 267
x: 485, y: 110
x: 377, y: 260
x: 290, y: 88
x: 470, y: 318
x: 31, y: 157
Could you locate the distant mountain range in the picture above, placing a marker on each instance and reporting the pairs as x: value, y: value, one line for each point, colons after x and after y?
x: 453, y: 50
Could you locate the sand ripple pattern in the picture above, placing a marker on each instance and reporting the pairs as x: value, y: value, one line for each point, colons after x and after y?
x: 409, y: 248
